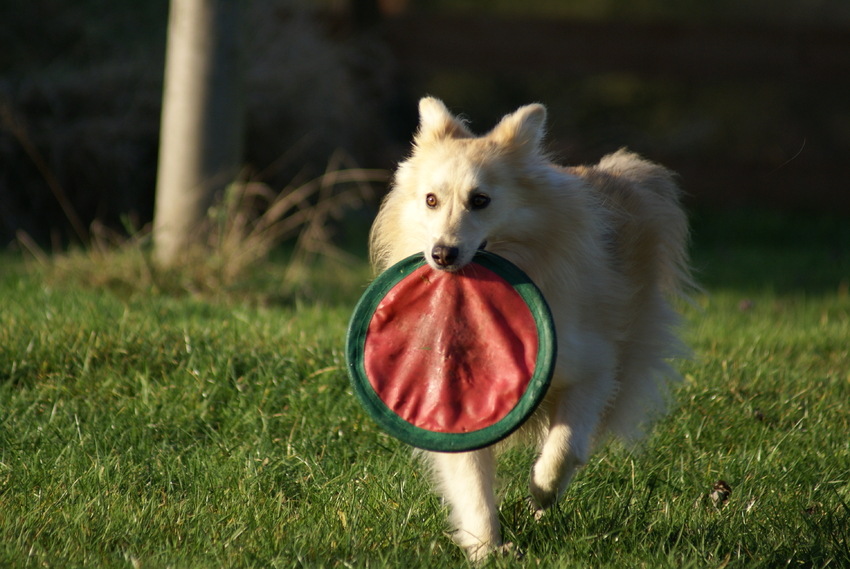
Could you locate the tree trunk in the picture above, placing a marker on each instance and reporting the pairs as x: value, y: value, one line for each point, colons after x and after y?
x: 202, y: 121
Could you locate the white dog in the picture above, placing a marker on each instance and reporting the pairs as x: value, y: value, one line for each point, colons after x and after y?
x: 606, y: 244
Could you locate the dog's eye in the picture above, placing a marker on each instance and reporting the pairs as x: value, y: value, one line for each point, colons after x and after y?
x: 431, y: 201
x: 479, y: 201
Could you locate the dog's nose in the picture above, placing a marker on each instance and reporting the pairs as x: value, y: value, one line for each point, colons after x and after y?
x: 444, y: 256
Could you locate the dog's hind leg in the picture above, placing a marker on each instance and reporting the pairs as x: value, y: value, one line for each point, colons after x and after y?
x: 465, y: 480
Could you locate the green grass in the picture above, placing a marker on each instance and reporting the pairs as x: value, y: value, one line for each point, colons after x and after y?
x: 142, y: 430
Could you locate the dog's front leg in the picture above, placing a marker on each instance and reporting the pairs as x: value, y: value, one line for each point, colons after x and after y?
x: 573, y: 419
x: 465, y: 481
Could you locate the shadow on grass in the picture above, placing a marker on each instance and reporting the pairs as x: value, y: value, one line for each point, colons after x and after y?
x: 780, y: 252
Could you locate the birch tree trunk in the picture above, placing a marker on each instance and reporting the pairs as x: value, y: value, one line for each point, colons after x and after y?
x: 202, y: 121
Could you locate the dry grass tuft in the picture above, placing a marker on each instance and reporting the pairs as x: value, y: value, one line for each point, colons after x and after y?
x: 252, y: 219
x: 243, y: 228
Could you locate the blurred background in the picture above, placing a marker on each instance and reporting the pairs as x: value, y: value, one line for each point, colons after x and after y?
x: 749, y: 100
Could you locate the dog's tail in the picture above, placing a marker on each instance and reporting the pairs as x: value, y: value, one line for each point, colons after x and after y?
x: 654, y: 226
x: 649, y: 238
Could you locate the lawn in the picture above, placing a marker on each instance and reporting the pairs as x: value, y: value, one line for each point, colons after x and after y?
x: 150, y: 430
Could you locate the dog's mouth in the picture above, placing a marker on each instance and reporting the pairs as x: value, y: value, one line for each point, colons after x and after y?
x: 483, y: 245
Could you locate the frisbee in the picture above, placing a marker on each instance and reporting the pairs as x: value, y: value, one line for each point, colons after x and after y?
x: 451, y: 361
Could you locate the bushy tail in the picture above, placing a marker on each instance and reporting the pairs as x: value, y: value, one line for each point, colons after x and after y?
x: 651, y: 242
x: 656, y: 205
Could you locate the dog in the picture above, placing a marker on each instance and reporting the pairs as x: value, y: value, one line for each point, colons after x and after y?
x: 607, y: 247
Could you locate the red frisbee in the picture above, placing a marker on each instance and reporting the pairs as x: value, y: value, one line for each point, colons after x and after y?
x: 451, y: 361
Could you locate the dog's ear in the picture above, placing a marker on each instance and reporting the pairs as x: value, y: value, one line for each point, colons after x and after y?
x: 435, y: 121
x: 523, y: 128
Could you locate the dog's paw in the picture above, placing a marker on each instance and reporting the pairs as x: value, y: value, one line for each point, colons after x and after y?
x: 548, y: 481
x: 535, y: 508
x: 543, y: 494
x: 538, y: 514
x: 509, y: 550
x: 480, y: 554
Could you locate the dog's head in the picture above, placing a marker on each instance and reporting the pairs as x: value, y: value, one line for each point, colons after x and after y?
x: 463, y: 192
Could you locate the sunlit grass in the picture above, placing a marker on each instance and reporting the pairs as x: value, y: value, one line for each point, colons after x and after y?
x: 149, y: 430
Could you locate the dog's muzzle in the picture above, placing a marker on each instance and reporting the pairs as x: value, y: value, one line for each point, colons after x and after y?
x: 444, y: 256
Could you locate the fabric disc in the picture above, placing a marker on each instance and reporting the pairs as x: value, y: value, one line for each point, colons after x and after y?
x: 451, y: 361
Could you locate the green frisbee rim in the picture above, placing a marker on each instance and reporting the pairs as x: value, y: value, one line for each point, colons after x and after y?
x: 416, y: 436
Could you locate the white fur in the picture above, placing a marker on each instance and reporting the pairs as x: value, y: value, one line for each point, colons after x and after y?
x: 607, y: 247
